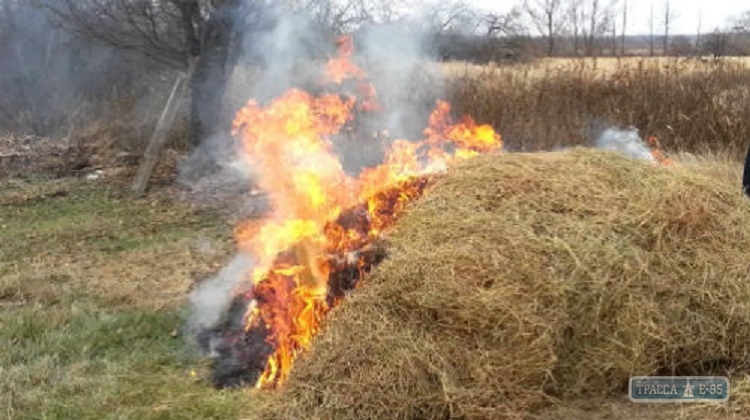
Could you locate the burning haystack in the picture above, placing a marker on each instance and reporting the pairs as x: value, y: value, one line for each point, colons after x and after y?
x: 323, y: 232
x: 523, y: 280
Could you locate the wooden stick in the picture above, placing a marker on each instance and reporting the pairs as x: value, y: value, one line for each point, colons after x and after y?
x: 159, y: 138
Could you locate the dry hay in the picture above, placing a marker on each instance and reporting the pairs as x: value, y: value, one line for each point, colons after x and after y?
x: 526, y: 281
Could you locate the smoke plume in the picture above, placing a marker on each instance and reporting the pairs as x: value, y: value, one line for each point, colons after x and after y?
x: 212, y: 298
x: 627, y: 142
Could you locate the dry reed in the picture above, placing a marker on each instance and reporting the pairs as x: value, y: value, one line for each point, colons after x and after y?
x: 690, y: 105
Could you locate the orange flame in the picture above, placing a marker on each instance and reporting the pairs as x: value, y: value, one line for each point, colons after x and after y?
x: 288, y: 142
x: 653, y: 144
x: 340, y: 69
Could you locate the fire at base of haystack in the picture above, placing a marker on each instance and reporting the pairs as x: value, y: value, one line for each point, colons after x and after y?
x: 325, y: 228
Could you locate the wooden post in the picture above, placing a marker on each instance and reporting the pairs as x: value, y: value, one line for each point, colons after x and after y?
x: 159, y: 138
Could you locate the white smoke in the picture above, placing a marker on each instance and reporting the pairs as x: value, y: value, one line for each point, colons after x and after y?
x: 291, y: 53
x: 627, y: 142
x: 396, y: 60
x: 212, y: 298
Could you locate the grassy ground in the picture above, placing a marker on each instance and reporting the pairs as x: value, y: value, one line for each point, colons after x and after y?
x: 91, y: 291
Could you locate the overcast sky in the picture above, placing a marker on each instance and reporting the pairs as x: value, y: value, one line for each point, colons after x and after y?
x: 715, y: 13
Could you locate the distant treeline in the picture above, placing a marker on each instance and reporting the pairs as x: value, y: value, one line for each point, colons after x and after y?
x: 482, y: 49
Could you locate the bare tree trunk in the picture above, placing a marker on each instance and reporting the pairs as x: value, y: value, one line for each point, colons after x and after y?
x: 698, y: 37
x: 550, y: 34
x: 651, y: 31
x: 591, y: 41
x: 613, y: 41
x: 212, y: 72
x: 624, y: 27
x: 666, y: 27
x: 547, y: 18
x: 576, y: 29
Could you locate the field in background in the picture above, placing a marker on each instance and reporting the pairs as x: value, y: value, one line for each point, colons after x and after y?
x: 689, y: 104
x: 599, y: 65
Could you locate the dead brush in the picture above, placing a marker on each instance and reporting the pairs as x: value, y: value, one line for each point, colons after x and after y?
x: 691, y: 106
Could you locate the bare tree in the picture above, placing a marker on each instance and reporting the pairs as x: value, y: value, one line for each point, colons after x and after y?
x: 667, y: 22
x: 575, y: 15
x: 733, y: 39
x: 600, y: 16
x: 651, y: 31
x: 504, y: 24
x: 594, y: 25
x: 698, y: 40
x: 624, y: 27
x: 165, y: 31
x: 346, y: 16
x: 548, y: 18
x: 716, y: 43
x: 738, y: 34
x: 504, y: 35
x: 181, y: 34
x: 48, y: 76
x: 451, y: 16
x: 590, y: 22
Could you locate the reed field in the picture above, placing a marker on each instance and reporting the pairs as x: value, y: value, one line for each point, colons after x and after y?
x: 689, y: 104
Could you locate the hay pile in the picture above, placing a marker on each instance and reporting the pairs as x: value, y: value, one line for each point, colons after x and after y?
x: 522, y: 281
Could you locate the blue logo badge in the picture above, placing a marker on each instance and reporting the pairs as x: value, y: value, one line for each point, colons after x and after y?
x: 678, y: 389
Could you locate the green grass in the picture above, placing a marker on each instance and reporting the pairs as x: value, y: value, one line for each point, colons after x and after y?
x: 92, y: 286
x: 95, y: 218
x: 79, y: 361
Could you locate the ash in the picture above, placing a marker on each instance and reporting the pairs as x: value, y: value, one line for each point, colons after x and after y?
x: 239, y: 356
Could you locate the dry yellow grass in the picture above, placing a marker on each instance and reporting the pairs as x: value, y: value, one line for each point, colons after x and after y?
x: 689, y: 105
x: 597, y: 67
x: 537, y: 284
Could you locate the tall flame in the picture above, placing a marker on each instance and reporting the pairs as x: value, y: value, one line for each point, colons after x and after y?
x: 288, y: 142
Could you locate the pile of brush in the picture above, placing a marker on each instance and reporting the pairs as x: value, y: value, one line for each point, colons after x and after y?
x: 522, y: 281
